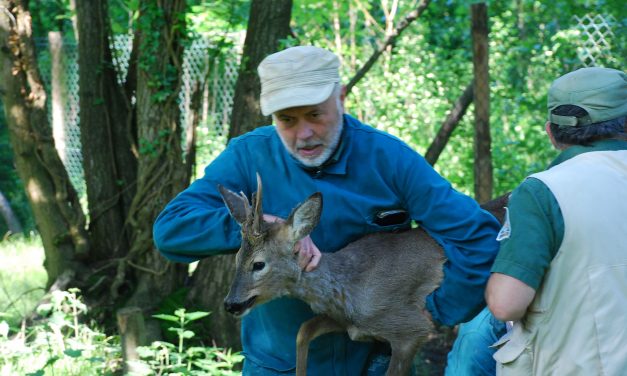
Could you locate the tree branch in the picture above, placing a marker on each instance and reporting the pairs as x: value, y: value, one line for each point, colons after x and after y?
x: 389, y: 41
x: 449, y: 124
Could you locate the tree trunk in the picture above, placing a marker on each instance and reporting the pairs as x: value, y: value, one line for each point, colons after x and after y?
x: 195, y: 109
x: 161, y: 171
x: 482, y: 145
x: 13, y: 224
x: 127, y: 185
x: 106, y: 135
x: 268, y: 23
x: 54, y: 202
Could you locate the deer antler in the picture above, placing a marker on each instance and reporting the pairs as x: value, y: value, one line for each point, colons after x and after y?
x: 258, y: 211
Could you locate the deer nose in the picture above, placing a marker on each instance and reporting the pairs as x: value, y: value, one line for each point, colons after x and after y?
x: 233, y: 307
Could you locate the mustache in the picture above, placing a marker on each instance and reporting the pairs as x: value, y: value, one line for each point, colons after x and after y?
x: 309, y: 143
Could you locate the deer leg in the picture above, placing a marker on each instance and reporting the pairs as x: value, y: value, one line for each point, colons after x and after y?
x: 308, y: 331
x: 401, y: 360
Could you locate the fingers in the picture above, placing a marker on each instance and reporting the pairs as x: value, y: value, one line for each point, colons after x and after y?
x: 304, y: 253
x: 308, y: 254
x: 315, y: 259
x: 271, y: 218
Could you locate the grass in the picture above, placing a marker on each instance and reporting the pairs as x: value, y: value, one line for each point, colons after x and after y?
x: 22, y: 277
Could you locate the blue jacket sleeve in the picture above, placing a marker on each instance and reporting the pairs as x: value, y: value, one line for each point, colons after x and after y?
x: 466, y: 232
x: 196, y: 223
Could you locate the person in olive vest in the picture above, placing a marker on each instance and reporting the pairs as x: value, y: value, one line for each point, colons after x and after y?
x: 561, y: 272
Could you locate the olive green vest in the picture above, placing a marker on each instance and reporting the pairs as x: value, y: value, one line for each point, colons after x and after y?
x: 577, y: 322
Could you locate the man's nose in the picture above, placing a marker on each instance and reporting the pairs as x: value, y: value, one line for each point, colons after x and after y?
x: 304, y: 131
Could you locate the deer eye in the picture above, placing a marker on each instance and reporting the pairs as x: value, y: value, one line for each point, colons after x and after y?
x: 257, y: 266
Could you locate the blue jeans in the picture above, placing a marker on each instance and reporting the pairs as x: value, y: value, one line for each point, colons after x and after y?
x: 471, y: 354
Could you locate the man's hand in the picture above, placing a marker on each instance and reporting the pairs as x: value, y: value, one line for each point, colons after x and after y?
x: 308, y: 254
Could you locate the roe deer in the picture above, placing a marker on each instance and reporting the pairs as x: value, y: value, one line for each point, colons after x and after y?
x: 351, y: 290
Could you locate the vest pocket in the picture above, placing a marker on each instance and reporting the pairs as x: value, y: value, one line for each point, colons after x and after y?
x: 388, y: 220
x: 608, y: 297
x: 514, y: 356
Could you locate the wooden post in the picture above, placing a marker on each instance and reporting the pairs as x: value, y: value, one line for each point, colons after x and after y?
x: 132, y: 334
x: 482, y: 145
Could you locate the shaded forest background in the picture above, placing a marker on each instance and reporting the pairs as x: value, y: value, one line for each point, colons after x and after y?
x: 137, y: 154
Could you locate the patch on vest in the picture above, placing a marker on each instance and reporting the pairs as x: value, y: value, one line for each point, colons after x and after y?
x: 506, y: 230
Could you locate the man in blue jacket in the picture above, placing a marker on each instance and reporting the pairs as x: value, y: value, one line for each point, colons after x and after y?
x: 364, y: 175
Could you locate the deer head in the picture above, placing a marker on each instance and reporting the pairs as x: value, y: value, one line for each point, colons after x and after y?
x: 265, y: 265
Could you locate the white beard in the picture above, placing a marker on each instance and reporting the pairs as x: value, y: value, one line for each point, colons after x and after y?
x: 331, y: 143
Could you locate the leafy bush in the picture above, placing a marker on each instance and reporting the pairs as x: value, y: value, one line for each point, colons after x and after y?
x: 167, y: 358
x: 61, y: 344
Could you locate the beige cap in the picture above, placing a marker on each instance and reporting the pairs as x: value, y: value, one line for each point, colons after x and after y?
x: 297, y: 76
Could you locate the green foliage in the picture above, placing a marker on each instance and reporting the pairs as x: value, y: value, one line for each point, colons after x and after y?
x: 183, y: 319
x: 210, y: 143
x: 10, y: 184
x: 169, y: 359
x: 123, y: 14
x: 22, y: 277
x: 151, y: 147
x: 51, y: 15
x: 163, y: 70
x: 210, y: 19
x: 62, y: 344
x: 409, y: 91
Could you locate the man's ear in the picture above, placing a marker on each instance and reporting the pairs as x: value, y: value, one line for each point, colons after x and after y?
x: 305, y: 217
x: 343, y: 97
x: 547, y: 128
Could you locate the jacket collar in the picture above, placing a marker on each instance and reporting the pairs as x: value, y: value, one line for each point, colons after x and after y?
x: 601, y: 145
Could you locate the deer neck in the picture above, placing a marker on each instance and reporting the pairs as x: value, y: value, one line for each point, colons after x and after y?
x: 324, y: 290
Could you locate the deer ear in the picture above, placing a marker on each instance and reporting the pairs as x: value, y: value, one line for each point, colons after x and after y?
x: 305, y: 217
x: 236, y: 203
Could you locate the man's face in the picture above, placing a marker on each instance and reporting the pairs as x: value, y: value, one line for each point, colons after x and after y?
x: 311, y: 133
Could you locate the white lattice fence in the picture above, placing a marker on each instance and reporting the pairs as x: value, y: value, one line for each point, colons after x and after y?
x: 215, y: 109
x: 596, y: 39
x: 65, y: 123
